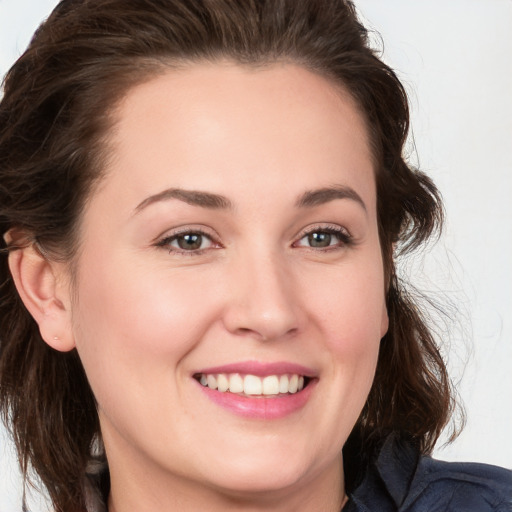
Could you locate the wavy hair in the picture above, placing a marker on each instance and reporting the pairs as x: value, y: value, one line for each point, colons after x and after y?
x: 55, y: 115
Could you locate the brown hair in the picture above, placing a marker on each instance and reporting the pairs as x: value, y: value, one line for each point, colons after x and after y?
x: 54, y: 120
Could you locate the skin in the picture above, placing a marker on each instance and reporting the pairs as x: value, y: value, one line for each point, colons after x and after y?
x: 145, y: 315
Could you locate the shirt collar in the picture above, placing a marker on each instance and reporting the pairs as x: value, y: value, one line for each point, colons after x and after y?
x: 397, y: 464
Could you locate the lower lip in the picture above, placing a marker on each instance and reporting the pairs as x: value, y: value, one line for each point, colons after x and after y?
x: 259, y: 407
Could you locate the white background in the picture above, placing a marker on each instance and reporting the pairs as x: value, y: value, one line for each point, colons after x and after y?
x: 455, y: 59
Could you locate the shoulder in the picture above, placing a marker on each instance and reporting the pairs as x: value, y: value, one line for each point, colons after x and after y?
x: 401, y: 480
x: 450, y: 486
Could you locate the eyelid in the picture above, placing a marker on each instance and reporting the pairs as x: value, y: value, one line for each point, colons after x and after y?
x: 329, y: 227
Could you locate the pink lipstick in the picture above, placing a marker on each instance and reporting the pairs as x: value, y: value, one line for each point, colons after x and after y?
x: 258, y: 390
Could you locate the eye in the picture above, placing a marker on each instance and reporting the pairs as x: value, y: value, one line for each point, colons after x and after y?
x: 187, y: 241
x: 324, y: 238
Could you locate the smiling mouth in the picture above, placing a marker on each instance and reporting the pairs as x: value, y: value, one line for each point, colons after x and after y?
x: 253, y: 385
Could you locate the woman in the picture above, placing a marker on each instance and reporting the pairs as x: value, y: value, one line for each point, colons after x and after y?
x: 201, y: 203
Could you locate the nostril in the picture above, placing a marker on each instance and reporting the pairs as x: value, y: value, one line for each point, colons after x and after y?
x: 265, y: 333
x: 254, y: 317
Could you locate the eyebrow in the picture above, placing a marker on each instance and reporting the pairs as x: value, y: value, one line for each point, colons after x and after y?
x: 192, y: 197
x: 309, y: 199
x: 320, y: 196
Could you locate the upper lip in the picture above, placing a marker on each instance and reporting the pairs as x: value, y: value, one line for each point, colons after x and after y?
x: 260, y: 369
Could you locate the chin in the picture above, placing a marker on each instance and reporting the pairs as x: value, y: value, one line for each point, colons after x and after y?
x: 257, y: 485
x: 264, y: 476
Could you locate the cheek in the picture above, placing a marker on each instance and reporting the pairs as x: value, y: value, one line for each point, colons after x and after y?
x: 137, y: 308
x: 133, y: 327
x: 351, y: 313
x: 352, y: 310
x: 355, y: 352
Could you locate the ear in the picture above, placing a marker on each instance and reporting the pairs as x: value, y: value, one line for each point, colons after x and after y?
x: 43, y: 287
x: 389, y: 273
x: 384, y: 322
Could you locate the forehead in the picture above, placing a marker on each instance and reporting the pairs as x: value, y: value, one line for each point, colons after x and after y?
x: 205, y: 125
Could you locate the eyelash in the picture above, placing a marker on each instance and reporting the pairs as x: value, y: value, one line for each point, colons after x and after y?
x: 344, y: 237
x: 168, y: 240
x: 345, y: 240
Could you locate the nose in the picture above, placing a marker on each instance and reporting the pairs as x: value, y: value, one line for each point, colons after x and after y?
x: 262, y: 302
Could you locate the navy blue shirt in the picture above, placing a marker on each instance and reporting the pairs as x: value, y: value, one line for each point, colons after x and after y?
x: 400, y: 480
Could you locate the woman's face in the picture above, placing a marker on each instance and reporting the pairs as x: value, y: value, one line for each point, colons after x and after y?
x: 231, y: 254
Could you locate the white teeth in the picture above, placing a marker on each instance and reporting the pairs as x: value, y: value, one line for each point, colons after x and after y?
x: 211, y: 381
x: 222, y: 382
x: 253, y: 385
x: 283, y: 384
x: 294, y: 384
x: 271, y: 385
x: 236, y: 383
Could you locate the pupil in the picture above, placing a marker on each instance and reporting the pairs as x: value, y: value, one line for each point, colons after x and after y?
x: 189, y: 242
x: 319, y: 239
